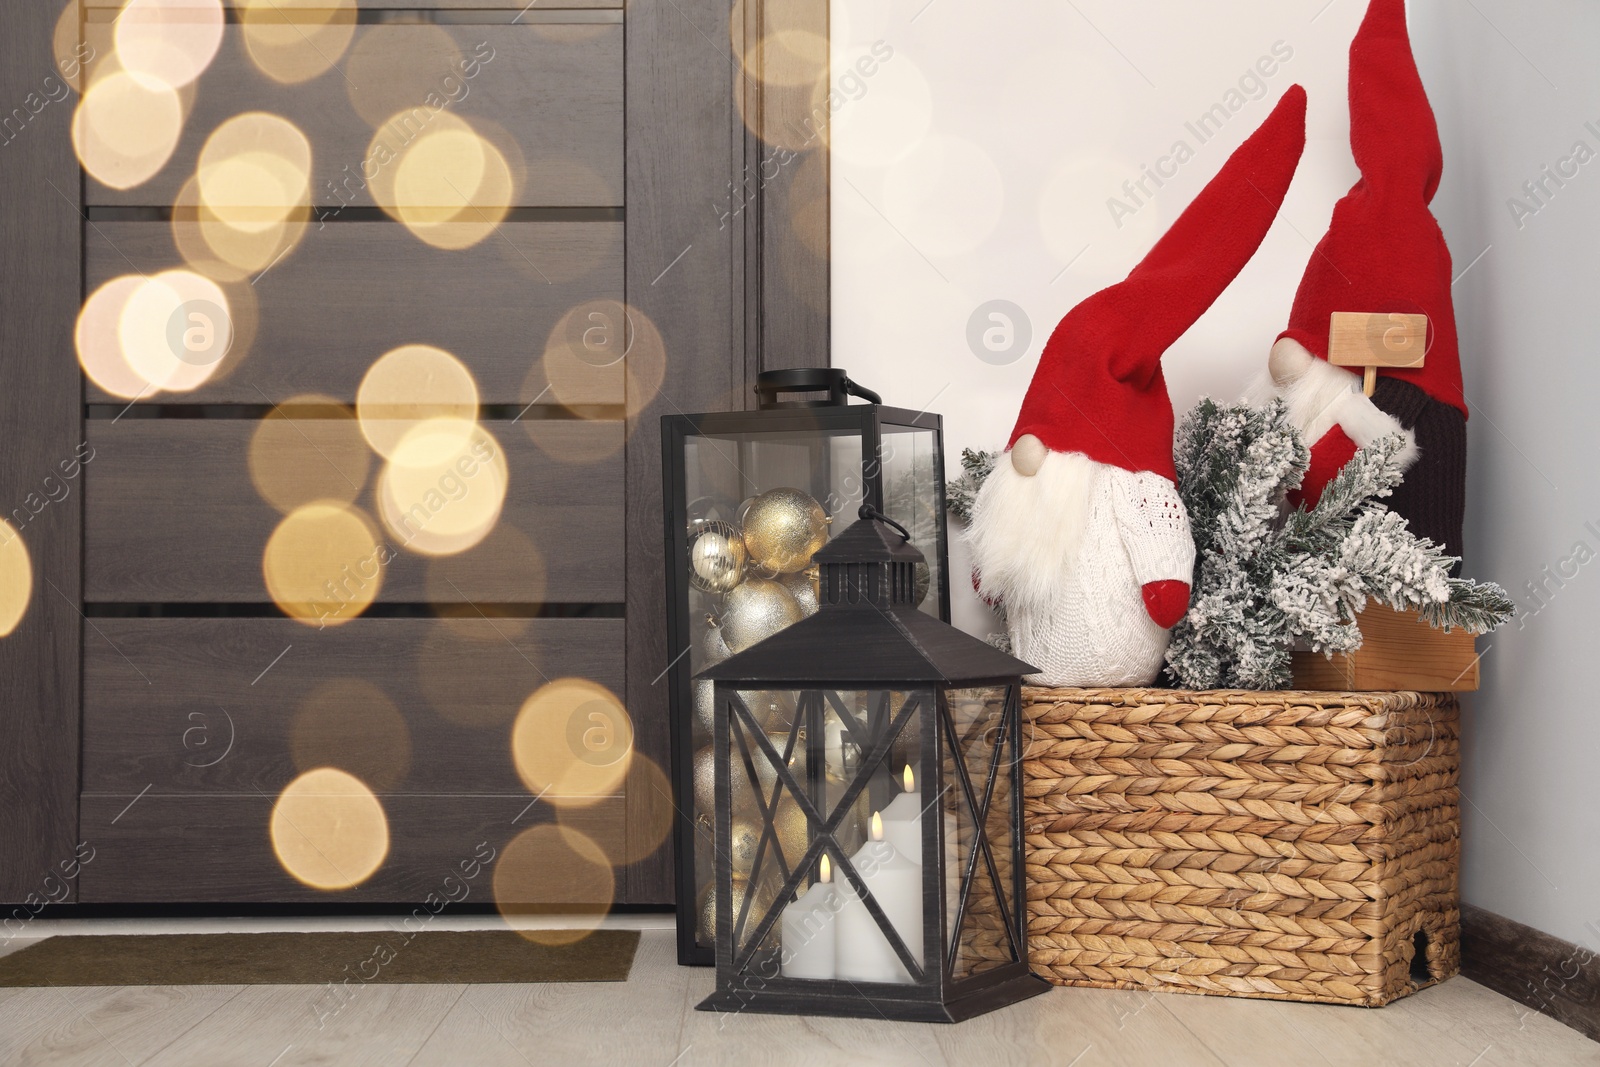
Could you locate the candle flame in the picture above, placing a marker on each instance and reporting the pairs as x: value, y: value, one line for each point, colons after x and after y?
x: 877, y: 827
x: 910, y: 780
x: 827, y: 871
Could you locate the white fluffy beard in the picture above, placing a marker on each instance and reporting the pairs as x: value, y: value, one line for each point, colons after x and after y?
x: 1321, y: 396
x: 1026, y: 532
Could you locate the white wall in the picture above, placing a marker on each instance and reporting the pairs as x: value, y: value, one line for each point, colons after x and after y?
x: 975, y: 163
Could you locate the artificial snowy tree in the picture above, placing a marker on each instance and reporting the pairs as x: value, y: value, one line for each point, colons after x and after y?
x: 1265, y: 580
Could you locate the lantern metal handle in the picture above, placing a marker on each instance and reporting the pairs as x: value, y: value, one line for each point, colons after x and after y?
x: 868, y: 512
x: 770, y: 385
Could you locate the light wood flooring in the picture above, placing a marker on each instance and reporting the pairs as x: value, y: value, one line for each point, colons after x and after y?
x: 651, y: 1020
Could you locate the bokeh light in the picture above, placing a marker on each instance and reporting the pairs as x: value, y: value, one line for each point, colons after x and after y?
x: 877, y: 128
x: 75, y: 54
x: 572, y: 742
x: 126, y: 127
x: 649, y: 823
x: 175, y: 330
x: 410, y: 385
x: 443, y: 488
x: 393, y: 71
x: 169, y: 41
x: 946, y: 195
x: 98, y: 341
x: 354, y: 723
x: 296, y: 460
x: 254, y: 170
x: 323, y: 565
x: 329, y: 830
x: 16, y: 578
x: 293, y: 41
x: 449, y: 185
x: 553, y: 884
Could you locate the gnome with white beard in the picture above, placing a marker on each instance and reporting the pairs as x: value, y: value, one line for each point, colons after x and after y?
x: 1079, y: 531
x: 1383, y: 256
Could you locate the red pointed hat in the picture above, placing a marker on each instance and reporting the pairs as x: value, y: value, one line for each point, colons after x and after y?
x: 1383, y: 251
x: 1099, y: 389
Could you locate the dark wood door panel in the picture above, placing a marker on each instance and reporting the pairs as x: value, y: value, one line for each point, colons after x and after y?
x: 104, y: 8
x: 550, y: 97
x: 162, y: 848
x: 348, y: 292
x: 172, y: 514
x: 243, y: 705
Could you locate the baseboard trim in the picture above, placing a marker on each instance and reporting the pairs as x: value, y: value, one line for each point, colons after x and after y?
x: 1549, y: 975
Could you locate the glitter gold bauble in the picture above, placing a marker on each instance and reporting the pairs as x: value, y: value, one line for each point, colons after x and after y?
x: 773, y: 709
x: 743, y: 840
x: 767, y: 774
x: 754, y: 611
x: 793, y: 830
x: 705, y: 705
x: 803, y: 586
x: 716, y: 557
x: 705, y: 785
x: 783, y: 528
x: 712, y: 645
x: 760, y: 904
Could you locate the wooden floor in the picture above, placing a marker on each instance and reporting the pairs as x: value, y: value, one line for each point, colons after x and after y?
x: 651, y: 1020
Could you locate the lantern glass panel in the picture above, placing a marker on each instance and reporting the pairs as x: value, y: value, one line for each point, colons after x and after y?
x: 846, y: 753
x: 912, y: 469
x: 980, y: 796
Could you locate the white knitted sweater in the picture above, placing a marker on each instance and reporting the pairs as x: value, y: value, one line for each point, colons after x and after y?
x: 1068, y: 552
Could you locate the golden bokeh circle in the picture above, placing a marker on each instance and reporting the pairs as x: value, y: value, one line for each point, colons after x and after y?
x: 297, y: 460
x: 572, y: 742
x: 448, y: 184
x: 126, y: 127
x: 175, y: 330
x: 652, y: 811
x: 329, y: 830
x: 16, y: 578
x: 100, y: 351
x: 410, y: 385
x: 295, y: 48
x: 553, y: 884
x: 443, y: 488
x: 170, y: 41
x: 353, y: 722
x: 323, y: 565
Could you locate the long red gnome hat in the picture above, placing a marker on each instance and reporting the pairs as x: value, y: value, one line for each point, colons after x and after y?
x: 1383, y: 251
x: 1099, y: 389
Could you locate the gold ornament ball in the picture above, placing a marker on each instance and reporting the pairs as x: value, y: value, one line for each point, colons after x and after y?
x: 716, y: 557
x: 767, y: 774
x: 712, y: 645
x: 743, y: 841
x: 705, y: 785
x: 760, y: 904
x: 793, y: 829
x: 783, y: 528
x: 754, y: 611
x: 803, y: 586
x: 705, y: 705
x: 773, y: 708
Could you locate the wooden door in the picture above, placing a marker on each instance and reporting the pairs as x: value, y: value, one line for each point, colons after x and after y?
x: 158, y: 696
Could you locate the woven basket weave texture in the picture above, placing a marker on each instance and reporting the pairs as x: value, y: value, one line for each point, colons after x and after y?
x: 1295, y: 846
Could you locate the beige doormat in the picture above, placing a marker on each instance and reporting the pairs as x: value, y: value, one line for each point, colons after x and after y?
x: 387, y: 957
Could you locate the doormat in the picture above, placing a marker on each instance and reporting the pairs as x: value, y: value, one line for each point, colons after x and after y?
x: 382, y: 957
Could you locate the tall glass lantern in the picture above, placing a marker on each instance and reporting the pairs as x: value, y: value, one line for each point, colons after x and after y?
x: 869, y: 844
x: 750, y: 497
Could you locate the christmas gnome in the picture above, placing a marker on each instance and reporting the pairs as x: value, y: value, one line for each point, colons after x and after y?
x: 1079, y: 530
x: 1383, y: 255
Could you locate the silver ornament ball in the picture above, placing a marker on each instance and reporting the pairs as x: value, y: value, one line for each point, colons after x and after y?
x: 754, y: 611
x: 716, y: 557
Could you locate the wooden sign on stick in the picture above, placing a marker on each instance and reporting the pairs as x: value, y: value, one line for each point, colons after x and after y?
x: 1372, y: 340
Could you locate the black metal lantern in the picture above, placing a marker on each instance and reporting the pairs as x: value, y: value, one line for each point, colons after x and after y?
x: 749, y: 498
x: 896, y: 765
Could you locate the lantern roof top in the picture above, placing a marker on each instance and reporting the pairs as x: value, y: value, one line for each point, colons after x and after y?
x: 880, y: 643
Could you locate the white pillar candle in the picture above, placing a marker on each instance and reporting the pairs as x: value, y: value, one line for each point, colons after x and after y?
x: 808, y: 930
x: 902, y: 820
x: 862, y: 952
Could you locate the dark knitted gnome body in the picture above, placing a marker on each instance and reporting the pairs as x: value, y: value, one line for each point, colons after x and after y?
x: 1434, y: 494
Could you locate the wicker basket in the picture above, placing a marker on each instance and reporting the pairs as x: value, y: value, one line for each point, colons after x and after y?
x: 1293, y: 846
